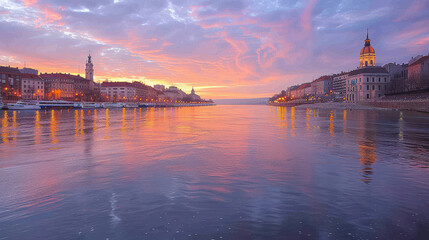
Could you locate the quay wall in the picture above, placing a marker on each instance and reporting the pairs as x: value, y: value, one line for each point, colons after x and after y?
x: 413, y: 105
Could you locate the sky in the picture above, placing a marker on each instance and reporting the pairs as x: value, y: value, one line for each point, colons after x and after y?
x: 222, y: 48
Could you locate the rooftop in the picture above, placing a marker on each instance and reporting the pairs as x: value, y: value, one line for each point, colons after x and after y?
x: 375, y: 69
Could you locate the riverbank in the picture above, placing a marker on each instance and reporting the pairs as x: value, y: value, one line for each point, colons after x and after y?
x: 339, y: 106
x: 415, y: 105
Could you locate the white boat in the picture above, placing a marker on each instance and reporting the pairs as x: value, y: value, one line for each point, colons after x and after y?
x: 90, y: 105
x: 23, y: 106
x: 147, y: 104
x: 56, y: 104
x: 131, y: 105
x: 113, y: 105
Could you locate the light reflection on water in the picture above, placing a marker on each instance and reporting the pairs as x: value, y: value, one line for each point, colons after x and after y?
x: 236, y: 172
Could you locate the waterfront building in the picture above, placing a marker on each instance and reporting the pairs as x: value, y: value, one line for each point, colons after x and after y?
x: 89, y: 69
x: 59, y: 86
x: 290, y: 91
x: 398, y: 77
x: 321, y: 86
x: 10, y: 83
x: 304, y: 90
x: 366, y: 83
x: 418, y: 73
x: 174, y: 93
x: 367, y: 54
x: 339, y: 84
x: 145, y: 92
x: 119, y: 91
x: 33, y: 87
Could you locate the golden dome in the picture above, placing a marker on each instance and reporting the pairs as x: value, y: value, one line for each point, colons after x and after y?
x: 367, y: 49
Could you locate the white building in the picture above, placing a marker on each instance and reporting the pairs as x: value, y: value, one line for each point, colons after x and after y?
x: 366, y: 83
x: 119, y: 91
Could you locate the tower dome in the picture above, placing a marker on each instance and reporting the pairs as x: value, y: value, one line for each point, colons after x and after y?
x: 367, y: 54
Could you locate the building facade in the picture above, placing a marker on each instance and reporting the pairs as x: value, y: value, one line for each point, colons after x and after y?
x: 398, y: 77
x: 59, y: 86
x: 418, y: 73
x: 33, y: 87
x: 119, y: 91
x: 339, y: 84
x: 10, y: 83
x: 322, y: 86
x: 366, y: 83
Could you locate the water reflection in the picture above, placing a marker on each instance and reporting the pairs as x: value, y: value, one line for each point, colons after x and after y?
x: 37, y: 128
x: 53, y: 127
x: 236, y: 172
x: 331, y: 123
x: 5, y: 127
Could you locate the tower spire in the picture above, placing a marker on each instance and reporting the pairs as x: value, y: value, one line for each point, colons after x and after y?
x: 367, y: 35
x: 89, y: 56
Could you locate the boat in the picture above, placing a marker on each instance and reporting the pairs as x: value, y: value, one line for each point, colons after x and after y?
x: 20, y: 105
x: 56, y: 104
x: 147, y: 105
x: 1, y: 103
x: 113, y: 105
x: 131, y: 105
x: 90, y: 105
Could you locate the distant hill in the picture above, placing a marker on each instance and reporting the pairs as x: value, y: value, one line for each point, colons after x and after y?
x: 245, y: 101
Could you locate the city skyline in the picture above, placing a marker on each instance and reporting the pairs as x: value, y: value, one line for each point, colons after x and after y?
x: 233, y: 49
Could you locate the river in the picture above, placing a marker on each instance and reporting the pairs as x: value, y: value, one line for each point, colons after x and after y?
x: 218, y: 172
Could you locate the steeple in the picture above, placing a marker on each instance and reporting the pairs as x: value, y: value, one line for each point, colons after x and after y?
x: 89, y: 70
x: 367, y: 40
x: 89, y: 57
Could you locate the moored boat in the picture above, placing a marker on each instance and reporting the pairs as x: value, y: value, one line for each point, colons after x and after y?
x: 23, y: 106
x: 113, y: 105
x: 147, y: 104
x: 90, y: 105
x: 131, y: 105
x: 56, y: 104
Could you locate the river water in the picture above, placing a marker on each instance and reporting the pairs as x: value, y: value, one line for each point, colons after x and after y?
x: 221, y: 172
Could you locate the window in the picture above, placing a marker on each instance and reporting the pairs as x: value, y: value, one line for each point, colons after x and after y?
x: 379, y: 79
x: 373, y: 87
x: 367, y: 87
x: 372, y: 79
x: 367, y: 96
x: 379, y: 87
x: 385, y: 80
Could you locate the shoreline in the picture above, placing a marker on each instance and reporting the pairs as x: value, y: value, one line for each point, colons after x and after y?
x: 340, y: 106
x: 417, y: 106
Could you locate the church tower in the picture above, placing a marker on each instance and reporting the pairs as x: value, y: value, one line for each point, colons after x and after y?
x: 367, y: 54
x: 89, y: 70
